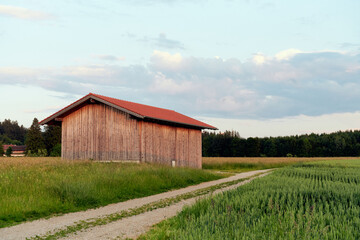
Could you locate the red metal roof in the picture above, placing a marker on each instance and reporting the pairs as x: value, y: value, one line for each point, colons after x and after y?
x: 136, y: 109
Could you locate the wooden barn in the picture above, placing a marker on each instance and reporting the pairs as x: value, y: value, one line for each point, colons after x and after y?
x: 108, y: 129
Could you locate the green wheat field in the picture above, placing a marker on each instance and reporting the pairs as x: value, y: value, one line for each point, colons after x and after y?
x: 312, y: 200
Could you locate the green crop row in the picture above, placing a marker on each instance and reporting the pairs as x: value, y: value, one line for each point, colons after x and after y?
x: 304, y: 201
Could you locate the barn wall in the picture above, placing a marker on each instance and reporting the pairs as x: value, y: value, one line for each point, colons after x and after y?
x: 162, y: 144
x: 159, y: 143
x: 100, y: 132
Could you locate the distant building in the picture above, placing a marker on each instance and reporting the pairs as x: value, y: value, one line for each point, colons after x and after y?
x: 17, y: 151
x: 108, y: 129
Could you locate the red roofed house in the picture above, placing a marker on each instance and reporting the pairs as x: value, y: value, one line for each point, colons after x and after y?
x: 17, y: 151
x: 108, y: 129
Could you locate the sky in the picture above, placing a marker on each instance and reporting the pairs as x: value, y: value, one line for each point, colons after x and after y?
x: 259, y: 67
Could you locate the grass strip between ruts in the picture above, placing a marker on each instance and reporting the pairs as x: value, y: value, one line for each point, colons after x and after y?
x: 89, y: 223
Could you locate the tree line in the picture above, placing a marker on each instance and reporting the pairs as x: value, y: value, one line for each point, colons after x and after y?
x: 226, y: 144
x: 38, y: 142
x: 230, y: 144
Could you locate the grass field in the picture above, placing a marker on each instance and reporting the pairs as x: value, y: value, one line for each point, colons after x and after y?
x: 243, y: 164
x: 313, y: 200
x: 31, y: 188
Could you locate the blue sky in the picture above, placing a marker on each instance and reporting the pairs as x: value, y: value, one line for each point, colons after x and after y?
x: 263, y: 68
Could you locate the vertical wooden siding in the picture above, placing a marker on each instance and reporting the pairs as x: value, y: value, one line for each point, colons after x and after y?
x: 100, y: 132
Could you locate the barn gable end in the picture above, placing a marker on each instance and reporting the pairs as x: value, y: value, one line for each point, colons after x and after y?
x: 93, y: 129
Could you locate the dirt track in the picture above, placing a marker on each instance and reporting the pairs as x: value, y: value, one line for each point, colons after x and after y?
x: 129, y: 227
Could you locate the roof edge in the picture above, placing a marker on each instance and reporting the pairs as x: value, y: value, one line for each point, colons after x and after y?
x: 82, y: 100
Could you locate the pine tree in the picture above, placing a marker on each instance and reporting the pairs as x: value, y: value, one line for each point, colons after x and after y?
x: 34, y: 139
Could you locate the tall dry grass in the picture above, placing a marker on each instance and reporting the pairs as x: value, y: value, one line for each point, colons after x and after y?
x: 240, y: 164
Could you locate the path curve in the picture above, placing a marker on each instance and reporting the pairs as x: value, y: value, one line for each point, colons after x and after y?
x: 44, y: 226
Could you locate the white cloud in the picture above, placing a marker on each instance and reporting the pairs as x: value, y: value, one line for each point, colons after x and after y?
x: 23, y: 13
x: 259, y: 59
x: 166, y: 60
x: 165, y: 85
x: 307, y: 83
x: 287, y: 54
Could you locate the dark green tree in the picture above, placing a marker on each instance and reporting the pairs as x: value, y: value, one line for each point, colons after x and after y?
x: 56, y: 151
x: 13, y: 131
x: 1, y: 129
x: 52, y: 137
x: 238, y: 147
x: 253, y: 147
x: 9, y: 152
x: 269, y: 149
x: 1, y: 149
x: 34, y: 139
x: 304, y: 147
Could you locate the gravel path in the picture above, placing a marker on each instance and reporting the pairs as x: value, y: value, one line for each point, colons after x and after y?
x: 133, y: 227
x: 127, y: 227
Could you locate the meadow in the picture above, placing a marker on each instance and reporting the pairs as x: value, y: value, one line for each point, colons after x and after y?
x: 243, y: 164
x: 311, y: 200
x: 31, y: 188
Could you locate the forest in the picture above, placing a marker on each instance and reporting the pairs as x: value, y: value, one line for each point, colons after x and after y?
x: 231, y: 144
x: 12, y: 133
x: 38, y: 142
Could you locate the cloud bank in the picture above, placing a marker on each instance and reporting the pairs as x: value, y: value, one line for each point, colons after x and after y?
x: 290, y: 83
